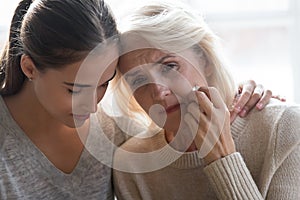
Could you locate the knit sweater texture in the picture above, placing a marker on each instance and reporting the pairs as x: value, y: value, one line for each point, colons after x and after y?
x: 26, y: 173
x: 265, y: 166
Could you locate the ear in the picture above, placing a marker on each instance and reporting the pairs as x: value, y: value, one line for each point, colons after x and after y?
x: 28, y: 67
x: 208, y: 70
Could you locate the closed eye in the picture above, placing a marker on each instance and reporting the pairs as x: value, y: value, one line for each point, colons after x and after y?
x: 73, y: 91
x: 138, y: 80
x: 105, y: 84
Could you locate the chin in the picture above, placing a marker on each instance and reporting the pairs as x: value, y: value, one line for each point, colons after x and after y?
x: 73, y: 124
x: 77, y: 124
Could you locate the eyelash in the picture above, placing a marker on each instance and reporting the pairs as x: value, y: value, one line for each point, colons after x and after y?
x: 70, y: 91
x: 138, y: 80
x: 167, y: 67
x: 73, y: 92
x: 105, y: 84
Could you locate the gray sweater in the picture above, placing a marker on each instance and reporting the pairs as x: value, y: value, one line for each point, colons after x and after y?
x: 265, y: 166
x: 26, y: 173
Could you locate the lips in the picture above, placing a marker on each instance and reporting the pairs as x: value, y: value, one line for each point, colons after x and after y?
x: 81, y: 117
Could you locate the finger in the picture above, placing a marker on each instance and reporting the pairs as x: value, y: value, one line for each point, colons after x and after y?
x: 216, y: 98
x: 211, y: 137
x: 204, y: 103
x: 192, y: 123
x: 201, y: 122
x: 252, y: 102
x: 198, y: 132
x: 233, y: 116
x: 194, y: 109
x: 280, y: 98
x: 245, y: 96
x: 206, y: 91
x: 267, y: 95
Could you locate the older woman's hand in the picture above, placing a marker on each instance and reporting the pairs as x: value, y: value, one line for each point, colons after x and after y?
x: 209, y: 122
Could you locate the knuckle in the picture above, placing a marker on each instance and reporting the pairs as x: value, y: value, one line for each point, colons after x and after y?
x: 256, y: 96
x: 247, y: 93
x: 246, y: 108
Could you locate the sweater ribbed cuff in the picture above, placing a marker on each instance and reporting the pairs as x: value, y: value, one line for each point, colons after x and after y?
x: 231, y: 178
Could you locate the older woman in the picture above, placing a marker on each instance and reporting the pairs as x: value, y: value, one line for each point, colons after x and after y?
x: 173, y: 76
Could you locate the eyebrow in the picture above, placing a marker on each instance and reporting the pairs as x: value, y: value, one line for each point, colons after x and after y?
x: 155, y: 63
x: 77, y: 85
x: 87, y: 85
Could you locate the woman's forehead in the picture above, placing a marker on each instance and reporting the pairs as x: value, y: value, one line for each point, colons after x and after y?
x: 148, y: 55
x: 140, y: 57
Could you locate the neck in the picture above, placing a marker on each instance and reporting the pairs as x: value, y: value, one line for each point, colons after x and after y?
x: 180, y: 143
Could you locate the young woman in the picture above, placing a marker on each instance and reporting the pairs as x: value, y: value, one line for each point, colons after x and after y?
x: 42, y: 131
x: 173, y: 74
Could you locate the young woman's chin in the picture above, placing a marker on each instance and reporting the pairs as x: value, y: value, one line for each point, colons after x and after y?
x: 72, y: 122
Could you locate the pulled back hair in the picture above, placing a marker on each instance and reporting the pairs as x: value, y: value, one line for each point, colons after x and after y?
x: 53, y: 33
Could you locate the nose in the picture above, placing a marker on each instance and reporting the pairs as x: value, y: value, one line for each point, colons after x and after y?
x: 96, y: 97
x: 91, y: 104
x: 94, y: 105
x: 159, y: 92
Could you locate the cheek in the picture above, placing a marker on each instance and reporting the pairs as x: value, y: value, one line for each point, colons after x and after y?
x: 143, y: 98
x: 54, y: 99
x: 101, y: 94
x: 182, y: 85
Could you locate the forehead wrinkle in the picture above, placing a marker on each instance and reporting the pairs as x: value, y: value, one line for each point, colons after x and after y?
x: 148, y: 56
x: 141, y: 57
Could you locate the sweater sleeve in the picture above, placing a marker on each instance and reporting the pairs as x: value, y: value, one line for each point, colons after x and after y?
x: 231, y: 179
x: 280, y: 175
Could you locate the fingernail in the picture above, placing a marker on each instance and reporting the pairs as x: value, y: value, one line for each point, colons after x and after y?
x: 259, y: 105
x: 195, y: 88
x: 237, y: 109
x: 243, y: 113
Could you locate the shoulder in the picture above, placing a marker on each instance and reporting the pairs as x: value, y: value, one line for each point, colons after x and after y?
x: 275, y: 113
x: 277, y: 125
x: 287, y: 128
x: 285, y: 132
x: 5, y: 122
x: 266, y: 121
x: 279, y: 117
x: 285, y: 116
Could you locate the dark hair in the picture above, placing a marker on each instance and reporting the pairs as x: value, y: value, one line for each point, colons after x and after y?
x: 53, y: 33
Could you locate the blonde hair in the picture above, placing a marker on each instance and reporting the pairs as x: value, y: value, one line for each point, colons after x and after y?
x: 174, y: 28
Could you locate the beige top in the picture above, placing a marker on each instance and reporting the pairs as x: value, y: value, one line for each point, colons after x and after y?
x: 266, y: 165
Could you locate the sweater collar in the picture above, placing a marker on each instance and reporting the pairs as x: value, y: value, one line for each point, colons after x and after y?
x: 188, y: 160
x: 181, y: 160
